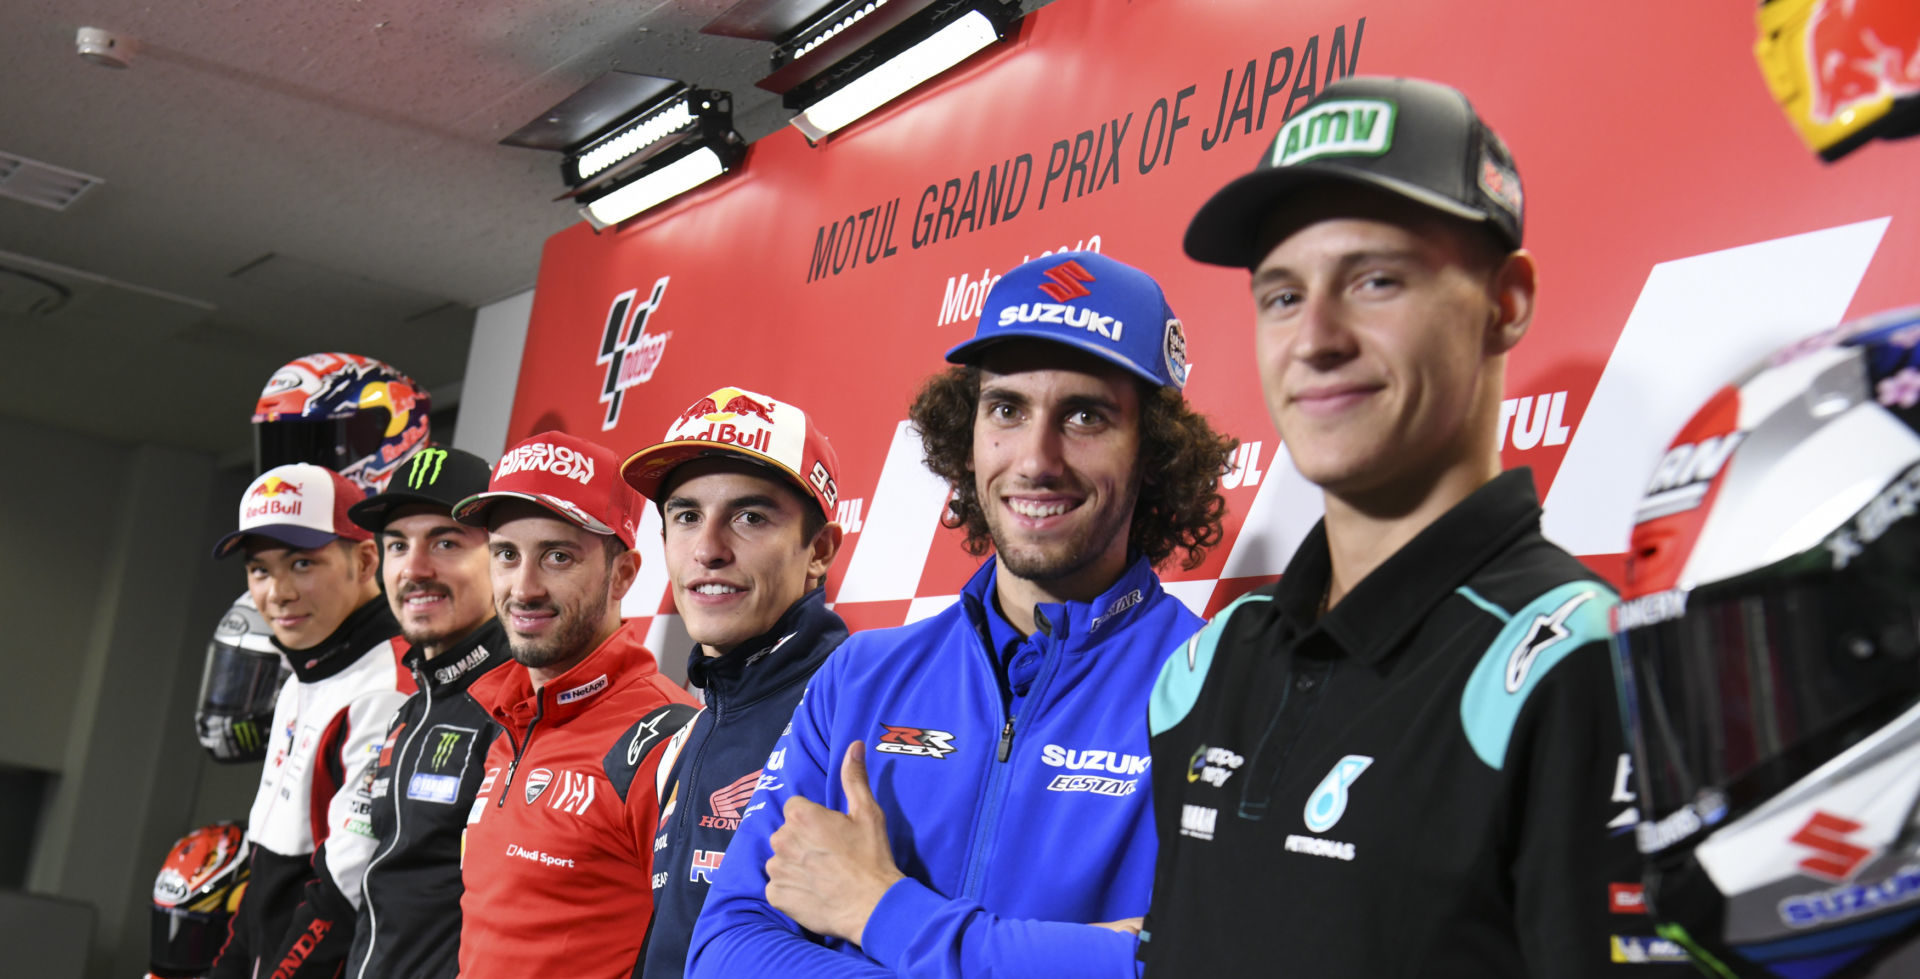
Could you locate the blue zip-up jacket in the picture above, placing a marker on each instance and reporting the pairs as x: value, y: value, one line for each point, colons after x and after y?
x: 1018, y: 800
x: 751, y: 692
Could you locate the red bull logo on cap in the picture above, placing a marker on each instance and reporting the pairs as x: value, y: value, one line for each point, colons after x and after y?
x: 273, y: 486
x: 271, y: 497
x: 729, y: 416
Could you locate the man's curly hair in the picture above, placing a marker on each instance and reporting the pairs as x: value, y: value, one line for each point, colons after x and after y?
x: 1181, y: 461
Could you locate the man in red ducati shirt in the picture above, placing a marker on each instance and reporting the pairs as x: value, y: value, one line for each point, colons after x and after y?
x: 559, y: 846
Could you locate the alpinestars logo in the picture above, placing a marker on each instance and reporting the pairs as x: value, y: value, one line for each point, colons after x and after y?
x: 628, y: 352
x: 925, y: 742
x: 1547, y: 631
x: 424, y: 470
x: 1065, y: 281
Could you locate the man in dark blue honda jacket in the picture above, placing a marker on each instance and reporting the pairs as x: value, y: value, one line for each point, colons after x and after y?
x: 1005, y: 828
x: 746, y: 486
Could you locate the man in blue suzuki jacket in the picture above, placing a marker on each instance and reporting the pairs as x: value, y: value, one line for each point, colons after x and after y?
x: 969, y: 795
x: 748, y: 541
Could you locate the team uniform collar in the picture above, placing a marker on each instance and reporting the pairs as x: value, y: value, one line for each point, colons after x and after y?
x: 1374, y: 618
x: 770, y: 660
x: 366, y: 627
x: 508, y: 693
x: 1078, y: 626
x: 462, y: 663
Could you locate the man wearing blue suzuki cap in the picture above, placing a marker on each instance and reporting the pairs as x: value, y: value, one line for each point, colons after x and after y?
x: 967, y: 795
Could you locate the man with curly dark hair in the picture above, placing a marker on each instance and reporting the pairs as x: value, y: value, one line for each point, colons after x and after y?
x: 1002, y: 826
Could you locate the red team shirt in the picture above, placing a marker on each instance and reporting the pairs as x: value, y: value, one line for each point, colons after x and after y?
x: 559, y: 845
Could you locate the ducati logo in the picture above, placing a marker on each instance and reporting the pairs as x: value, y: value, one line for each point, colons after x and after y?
x: 537, y: 782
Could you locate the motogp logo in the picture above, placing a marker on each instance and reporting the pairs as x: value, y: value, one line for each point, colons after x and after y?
x: 628, y: 352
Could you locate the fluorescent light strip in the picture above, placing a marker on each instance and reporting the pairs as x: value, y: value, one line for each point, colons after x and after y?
x: 845, y: 23
x: 638, y: 137
x: 947, y: 47
x: 670, y: 181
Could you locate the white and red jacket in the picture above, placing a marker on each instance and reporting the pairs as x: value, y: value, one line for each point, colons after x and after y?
x: 327, y: 728
x: 559, y: 846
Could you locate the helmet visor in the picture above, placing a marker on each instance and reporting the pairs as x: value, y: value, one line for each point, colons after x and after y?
x: 1750, y: 684
x: 331, y: 443
x: 239, y: 682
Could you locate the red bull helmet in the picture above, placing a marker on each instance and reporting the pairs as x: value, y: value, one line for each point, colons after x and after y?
x: 194, y: 896
x: 239, y: 685
x: 354, y: 415
x: 1844, y: 71
x: 1768, y: 653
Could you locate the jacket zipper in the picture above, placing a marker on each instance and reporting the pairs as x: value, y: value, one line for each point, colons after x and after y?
x: 393, y: 792
x: 987, y: 814
x: 691, y: 774
x: 519, y: 751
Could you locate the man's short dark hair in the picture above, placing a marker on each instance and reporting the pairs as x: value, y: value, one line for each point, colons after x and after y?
x: 1181, y: 461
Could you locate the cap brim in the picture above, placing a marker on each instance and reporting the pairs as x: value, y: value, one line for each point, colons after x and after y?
x: 473, y: 510
x: 664, y: 458
x: 1226, y: 230
x: 372, y: 513
x: 300, y: 538
x: 970, y: 352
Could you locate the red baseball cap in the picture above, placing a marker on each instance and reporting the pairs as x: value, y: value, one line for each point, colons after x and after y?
x: 301, y: 505
x: 576, y: 479
x: 733, y: 422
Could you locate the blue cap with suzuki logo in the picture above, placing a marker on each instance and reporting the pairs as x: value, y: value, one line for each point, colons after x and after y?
x: 1089, y: 301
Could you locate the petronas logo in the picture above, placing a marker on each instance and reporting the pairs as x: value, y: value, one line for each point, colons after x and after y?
x: 443, y: 752
x: 425, y: 470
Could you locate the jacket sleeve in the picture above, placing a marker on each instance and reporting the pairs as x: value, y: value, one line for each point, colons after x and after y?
x: 321, y: 933
x: 235, y: 959
x: 922, y: 934
x: 738, y: 932
x: 1576, y: 870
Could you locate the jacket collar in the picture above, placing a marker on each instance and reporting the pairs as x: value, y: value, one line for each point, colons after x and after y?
x: 462, y: 663
x: 1077, y: 626
x: 789, y: 651
x: 368, y: 626
x: 508, y: 695
x: 1373, y: 620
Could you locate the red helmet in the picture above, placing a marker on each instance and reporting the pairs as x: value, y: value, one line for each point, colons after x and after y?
x: 354, y: 415
x: 194, y: 897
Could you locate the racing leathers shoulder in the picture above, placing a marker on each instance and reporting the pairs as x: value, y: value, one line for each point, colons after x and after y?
x: 559, y: 841
x: 751, y: 692
x: 1014, y: 781
x: 1429, y: 778
x: 327, y: 728
x: 424, y: 783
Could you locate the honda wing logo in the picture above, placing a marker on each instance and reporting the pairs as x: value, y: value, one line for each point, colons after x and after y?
x: 628, y: 352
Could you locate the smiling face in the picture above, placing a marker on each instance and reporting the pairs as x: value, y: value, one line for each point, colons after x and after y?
x: 1381, y: 331
x: 436, y: 576
x: 554, y: 587
x: 738, y: 549
x: 305, y: 594
x: 1056, y: 445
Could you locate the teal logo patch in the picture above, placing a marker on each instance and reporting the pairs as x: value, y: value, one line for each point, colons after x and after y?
x: 1344, y: 127
x: 1329, y: 799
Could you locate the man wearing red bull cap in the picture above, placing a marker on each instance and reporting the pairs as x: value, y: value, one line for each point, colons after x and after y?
x: 1004, y: 828
x: 1406, y: 757
x: 312, y: 573
x: 746, y: 491
x: 559, y: 841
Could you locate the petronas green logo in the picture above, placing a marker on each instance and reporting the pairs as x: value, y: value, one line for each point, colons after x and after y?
x: 425, y: 470
x: 443, y: 751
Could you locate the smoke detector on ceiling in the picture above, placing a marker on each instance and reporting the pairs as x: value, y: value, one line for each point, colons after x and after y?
x: 105, y: 48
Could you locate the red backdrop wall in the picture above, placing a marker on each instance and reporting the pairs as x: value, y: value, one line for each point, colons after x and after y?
x: 1680, y: 228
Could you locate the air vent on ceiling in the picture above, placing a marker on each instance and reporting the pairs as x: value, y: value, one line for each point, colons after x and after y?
x: 40, y: 183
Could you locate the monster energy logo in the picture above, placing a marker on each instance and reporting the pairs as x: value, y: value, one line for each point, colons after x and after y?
x: 425, y: 469
x: 444, y: 750
x: 247, y: 735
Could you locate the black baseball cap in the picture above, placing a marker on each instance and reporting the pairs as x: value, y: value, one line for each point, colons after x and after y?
x: 1416, y: 138
x: 434, y: 476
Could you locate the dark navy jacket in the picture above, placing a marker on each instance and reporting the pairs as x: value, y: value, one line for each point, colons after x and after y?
x: 751, y: 693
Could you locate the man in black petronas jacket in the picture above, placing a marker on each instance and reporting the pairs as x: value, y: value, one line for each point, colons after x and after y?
x: 746, y: 487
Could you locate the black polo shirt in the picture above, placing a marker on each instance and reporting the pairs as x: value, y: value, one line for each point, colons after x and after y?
x: 1428, y: 780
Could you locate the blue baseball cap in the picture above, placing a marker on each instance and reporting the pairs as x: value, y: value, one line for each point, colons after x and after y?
x: 1088, y: 301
